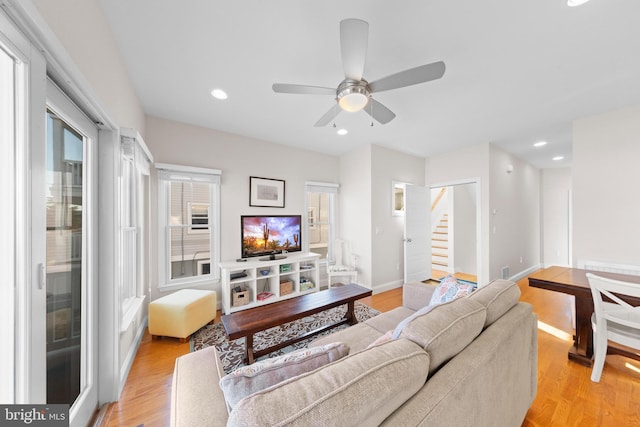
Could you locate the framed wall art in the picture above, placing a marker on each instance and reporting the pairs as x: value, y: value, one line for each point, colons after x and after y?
x: 266, y: 192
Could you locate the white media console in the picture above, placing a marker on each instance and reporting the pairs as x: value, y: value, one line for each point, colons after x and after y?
x: 248, y: 284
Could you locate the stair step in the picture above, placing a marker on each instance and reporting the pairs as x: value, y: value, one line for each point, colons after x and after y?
x: 439, y: 240
x: 441, y: 255
x: 439, y: 247
x: 444, y: 264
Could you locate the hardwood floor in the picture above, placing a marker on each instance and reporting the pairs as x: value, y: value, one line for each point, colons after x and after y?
x: 439, y: 274
x: 566, y: 396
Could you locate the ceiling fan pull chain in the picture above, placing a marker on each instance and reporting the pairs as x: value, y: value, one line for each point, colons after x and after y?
x: 372, y: 105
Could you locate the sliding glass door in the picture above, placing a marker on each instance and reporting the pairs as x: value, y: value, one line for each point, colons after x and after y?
x: 71, y: 311
x: 48, y: 234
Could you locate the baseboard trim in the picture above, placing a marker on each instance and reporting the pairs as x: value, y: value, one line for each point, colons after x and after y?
x: 387, y: 286
x: 131, y: 355
x: 525, y: 273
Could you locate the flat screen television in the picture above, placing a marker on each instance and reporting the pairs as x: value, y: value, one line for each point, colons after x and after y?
x: 270, y: 234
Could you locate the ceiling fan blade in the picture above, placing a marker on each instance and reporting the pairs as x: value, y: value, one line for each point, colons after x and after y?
x: 354, y: 35
x: 412, y: 76
x: 328, y: 116
x: 303, y: 89
x: 379, y: 112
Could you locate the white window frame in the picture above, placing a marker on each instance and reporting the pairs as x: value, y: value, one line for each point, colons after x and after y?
x: 332, y: 190
x: 168, y: 173
x: 9, y: 144
x: 135, y: 161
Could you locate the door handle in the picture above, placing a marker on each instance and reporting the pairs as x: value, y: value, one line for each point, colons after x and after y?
x: 41, y: 276
x: 408, y: 240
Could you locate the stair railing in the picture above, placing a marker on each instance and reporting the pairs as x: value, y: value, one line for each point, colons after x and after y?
x: 442, y: 192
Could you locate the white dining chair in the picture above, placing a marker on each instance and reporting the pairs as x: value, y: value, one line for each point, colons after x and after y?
x: 346, y: 264
x: 613, y: 319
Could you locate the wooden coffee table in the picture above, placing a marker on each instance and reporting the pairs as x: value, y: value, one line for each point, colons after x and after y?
x: 246, y: 323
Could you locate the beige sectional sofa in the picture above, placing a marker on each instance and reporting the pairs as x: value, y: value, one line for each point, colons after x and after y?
x: 468, y: 362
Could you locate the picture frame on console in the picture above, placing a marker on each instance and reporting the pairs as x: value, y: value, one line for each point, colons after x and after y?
x: 266, y: 192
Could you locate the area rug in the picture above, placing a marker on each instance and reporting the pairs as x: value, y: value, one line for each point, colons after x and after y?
x: 232, y: 352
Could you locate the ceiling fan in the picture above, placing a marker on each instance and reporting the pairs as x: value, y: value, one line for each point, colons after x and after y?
x: 355, y: 93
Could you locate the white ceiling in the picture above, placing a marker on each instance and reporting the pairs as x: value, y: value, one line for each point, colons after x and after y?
x: 517, y: 71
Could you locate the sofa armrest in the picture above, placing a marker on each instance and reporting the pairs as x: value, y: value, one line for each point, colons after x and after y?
x: 196, y: 397
x: 416, y: 295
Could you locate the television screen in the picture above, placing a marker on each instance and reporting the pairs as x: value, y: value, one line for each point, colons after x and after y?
x: 265, y: 235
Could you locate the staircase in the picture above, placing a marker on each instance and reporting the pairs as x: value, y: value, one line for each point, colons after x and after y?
x: 440, y: 244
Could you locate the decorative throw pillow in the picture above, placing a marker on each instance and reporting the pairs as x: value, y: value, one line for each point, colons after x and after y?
x: 450, y: 289
x: 382, y: 339
x: 261, y: 375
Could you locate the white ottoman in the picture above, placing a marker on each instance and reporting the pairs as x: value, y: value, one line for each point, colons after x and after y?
x: 181, y: 313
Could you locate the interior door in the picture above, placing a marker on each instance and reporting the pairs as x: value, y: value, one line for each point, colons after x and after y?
x: 70, y: 310
x: 417, y: 234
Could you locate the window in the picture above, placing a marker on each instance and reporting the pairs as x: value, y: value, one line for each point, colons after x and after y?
x: 198, y: 214
x: 188, y: 216
x: 135, y: 161
x: 320, y: 207
x: 397, y: 197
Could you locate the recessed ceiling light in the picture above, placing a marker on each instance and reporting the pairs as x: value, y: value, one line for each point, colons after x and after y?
x: 342, y: 132
x: 573, y: 3
x: 557, y: 158
x: 540, y: 144
x: 219, y: 94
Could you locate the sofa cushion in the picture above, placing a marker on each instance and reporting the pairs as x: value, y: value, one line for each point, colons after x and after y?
x: 260, y: 375
x: 357, y: 337
x: 444, y: 330
x: 388, y: 336
x: 400, y: 326
x: 389, y: 319
x: 361, y: 389
x: 416, y: 295
x: 449, y: 289
x: 498, y: 297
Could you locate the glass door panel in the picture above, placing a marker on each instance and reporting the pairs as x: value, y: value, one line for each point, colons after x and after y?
x: 64, y: 265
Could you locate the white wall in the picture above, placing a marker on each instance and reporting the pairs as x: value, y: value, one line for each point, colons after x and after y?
x: 509, y: 205
x: 238, y: 158
x: 466, y: 164
x: 82, y: 28
x: 555, y: 196
x: 387, y: 231
x: 463, y: 226
x: 605, y: 177
x: 515, y: 215
x: 355, y: 208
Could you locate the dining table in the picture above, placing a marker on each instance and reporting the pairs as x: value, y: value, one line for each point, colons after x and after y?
x: 573, y: 281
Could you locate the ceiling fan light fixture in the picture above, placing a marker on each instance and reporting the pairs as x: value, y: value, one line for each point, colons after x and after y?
x: 353, y: 102
x: 353, y: 96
